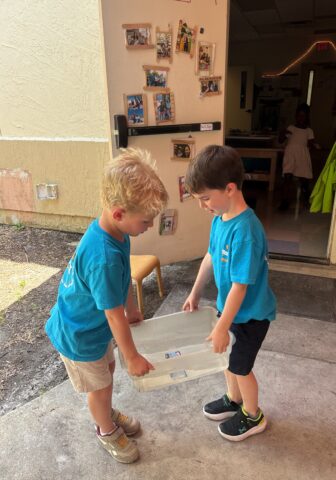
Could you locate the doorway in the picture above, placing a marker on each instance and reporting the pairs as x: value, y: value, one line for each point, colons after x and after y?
x: 293, y: 232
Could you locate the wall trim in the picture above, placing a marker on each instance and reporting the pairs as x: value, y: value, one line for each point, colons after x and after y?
x: 56, y: 139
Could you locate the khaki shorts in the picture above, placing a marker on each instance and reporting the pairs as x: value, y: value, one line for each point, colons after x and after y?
x: 90, y: 376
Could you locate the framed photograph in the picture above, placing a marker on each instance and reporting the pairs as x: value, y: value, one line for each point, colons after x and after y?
x: 183, y: 149
x: 205, y: 58
x: 136, y: 109
x: 184, y: 194
x: 163, y: 43
x: 156, y: 78
x: 164, y: 107
x: 138, y: 35
x: 186, y: 38
x: 168, y: 222
x: 210, y: 86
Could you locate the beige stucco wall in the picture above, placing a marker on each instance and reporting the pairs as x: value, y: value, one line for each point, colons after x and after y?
x: 75, y: 166
x: 125, y: 75
x: 53, y: 111
x: 51, y: 69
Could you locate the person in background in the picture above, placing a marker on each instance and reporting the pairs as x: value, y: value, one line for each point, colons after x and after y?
x: 297, y: 161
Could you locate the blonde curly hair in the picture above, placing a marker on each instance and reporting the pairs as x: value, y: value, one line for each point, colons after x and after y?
x: 130, y: 181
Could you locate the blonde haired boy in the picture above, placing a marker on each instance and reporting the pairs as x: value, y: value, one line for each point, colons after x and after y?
x: 95, y: 302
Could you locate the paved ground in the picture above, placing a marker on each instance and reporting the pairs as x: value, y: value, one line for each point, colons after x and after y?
x: 52, y: 436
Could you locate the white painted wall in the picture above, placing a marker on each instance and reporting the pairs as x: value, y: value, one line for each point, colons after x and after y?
x: 125, y: 75
x: 51, y: 69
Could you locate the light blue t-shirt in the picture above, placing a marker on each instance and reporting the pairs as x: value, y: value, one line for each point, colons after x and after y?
x: 97, y: 278
x: 238, y: 250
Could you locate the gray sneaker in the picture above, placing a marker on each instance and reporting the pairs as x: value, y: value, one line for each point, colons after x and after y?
x: 130, y: 425
x: 119, y: 446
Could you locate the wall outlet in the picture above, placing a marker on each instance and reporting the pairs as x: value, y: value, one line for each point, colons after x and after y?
x: 47, y: 191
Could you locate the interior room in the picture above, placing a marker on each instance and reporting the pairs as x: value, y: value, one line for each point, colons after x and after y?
x: 282, y: 54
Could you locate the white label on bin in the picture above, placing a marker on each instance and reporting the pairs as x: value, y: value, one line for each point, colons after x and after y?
x: 173, y: 354
x: 178, y: 374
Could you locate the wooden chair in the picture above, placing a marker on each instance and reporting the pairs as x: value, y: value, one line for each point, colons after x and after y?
x: 141, y: 267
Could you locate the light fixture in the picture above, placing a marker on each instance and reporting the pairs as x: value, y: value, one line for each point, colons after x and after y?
x: 299, y: 59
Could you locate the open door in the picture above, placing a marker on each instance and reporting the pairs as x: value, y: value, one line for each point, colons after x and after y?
x: 125, y: 76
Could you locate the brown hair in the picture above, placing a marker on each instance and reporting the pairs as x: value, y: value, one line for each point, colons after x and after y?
x: 213, y: 168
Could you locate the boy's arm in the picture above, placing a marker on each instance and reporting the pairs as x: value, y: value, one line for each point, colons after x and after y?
x: 132, y: 312
x: 136, y: 363
x: 202, y: 278
x: 219, y: 335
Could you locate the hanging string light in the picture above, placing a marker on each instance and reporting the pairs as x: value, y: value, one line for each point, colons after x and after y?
x: 299, y: 59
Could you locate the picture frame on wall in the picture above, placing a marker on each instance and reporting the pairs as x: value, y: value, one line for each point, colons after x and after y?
x: 186, y: 38
x: 168, y: 222
x: 138, y: 35
x: 205, y: 58
x: 183, y: 192
x: 210, y: 86
x: 136, y: 109
x: 164, y: 107
x: 163, y: 44
x: 156, y: 78
x: 183, y: 149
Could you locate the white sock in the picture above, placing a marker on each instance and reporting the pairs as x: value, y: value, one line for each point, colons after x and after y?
x: 103, y: 434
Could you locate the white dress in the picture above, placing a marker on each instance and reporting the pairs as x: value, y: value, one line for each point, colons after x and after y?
x: 297, y: 159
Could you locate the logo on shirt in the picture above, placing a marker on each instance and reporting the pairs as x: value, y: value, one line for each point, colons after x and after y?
x: 68, y: 276
x: 225, y: 254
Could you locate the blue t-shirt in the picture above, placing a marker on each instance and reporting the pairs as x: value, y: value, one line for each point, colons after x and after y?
x: 97, y: 278
x: 238, y: 250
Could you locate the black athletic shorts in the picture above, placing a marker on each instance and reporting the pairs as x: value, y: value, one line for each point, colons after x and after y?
x: 249, y: 338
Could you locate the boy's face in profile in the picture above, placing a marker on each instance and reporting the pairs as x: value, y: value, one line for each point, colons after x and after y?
x: 134, y: 223
x: 214, y: 201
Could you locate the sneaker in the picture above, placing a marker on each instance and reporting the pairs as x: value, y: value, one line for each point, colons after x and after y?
x: 242, y: 426
x: 221, y: 408
x: 130, y: 425
x: 119, y: 446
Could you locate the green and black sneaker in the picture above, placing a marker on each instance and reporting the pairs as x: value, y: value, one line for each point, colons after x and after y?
x: 242, y: 426
x: 221, y: 408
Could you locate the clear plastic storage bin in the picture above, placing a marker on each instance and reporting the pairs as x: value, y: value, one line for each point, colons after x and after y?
x: 176, y: 346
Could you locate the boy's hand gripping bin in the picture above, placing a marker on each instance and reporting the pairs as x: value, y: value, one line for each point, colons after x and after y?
x: 176, y: 346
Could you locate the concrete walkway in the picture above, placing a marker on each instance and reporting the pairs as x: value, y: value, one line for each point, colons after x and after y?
x: 52, y: 437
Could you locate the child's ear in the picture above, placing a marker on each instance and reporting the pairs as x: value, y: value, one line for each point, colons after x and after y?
x: 118, y: 214
x: 231, y: 188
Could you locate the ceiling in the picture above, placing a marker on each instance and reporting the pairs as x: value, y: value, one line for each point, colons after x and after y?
x: 259, y: 19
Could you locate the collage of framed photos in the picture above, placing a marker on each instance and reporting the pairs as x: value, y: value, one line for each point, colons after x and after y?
x: 139, y: 36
